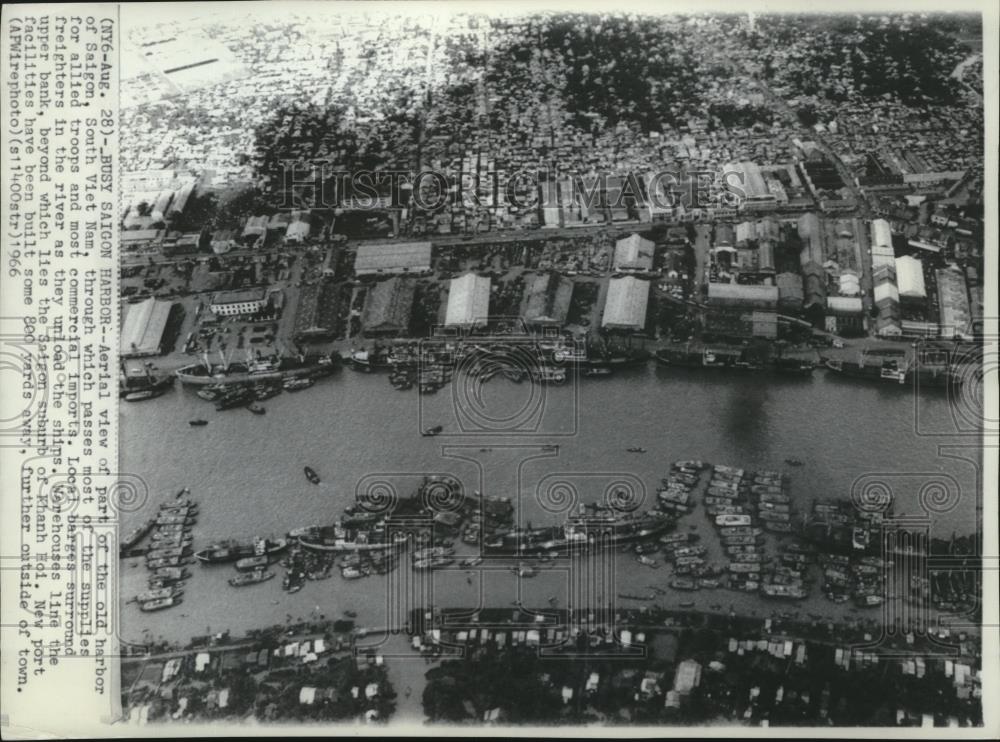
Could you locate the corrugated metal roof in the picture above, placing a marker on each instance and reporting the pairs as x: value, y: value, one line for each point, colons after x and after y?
x: 389, y: 305
x: 468, y: 300
x: 910, y: 277
x: 403, y: 257
x: 626, y: 304
x: 634, y: 253
x: 142, y: 330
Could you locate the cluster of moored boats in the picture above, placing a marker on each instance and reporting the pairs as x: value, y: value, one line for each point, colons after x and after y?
x: 430, y: 367
x: 250, y: 559
x: 167, y: 539
x: 228, y: 396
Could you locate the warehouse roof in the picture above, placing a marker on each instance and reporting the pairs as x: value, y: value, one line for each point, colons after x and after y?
x: 404, y: 257
x: 468, y: 300
x: 634, y: 253
x: 910, y: 277
x: 389, y: 305
x: 547, y: 298
x: 626, y: 303
x: 142, y: 330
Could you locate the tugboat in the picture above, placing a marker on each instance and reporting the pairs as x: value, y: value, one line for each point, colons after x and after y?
x: 432, y: 431
x: 251, y: 578
x: 197, y: 423
x: 311, y: 475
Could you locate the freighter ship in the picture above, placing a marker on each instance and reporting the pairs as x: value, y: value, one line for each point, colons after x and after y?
x: 231, y: 551
x: 341, y: 538
x: 255, y: 370
x: 895, y: 367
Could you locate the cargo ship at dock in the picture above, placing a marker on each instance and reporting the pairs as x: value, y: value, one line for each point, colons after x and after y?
x: 730, y: 358
x: 897, y: 367
x: 339, y: 538
x: 254, y: 371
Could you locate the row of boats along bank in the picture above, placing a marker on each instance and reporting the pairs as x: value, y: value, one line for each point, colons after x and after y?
x: 164, y: 541
x: 430, y: 365
x: 759, y: 543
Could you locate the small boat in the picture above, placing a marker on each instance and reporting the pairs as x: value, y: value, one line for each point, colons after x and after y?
x: 646, y: 561
x: 471, y: 562
x: 209, y: 395
x: 171, y: 574
x: 135, y: 536
x: 197, y: 423
x: 142, y: 394
x: 251, y: 578
x: 636, y: 449
x: 256, y: 409
x: 687, y: 604
x: 165, y: 592
x: 311, y: 475
x: 261, y: 393
x: 159, y: 604
x: 297, y: 385
x: 682, y: 583
x: 251, y: 564
x: 432, y: 431
x: 793, y: 462
x: 351, y: 614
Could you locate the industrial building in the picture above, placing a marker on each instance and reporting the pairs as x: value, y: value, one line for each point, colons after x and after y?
x: 546, y: 299
x: 845, y: 315
x: 243, y: 302
x: 625, y: 306
x: 143, y: 328
x: 388, y: 307
x: 789, y: 291
x: 634, y: 253
x: 317, y: 313
x: 468, y: 301
x: 953, y: 304
x: 391, y: 259
x: 910, y: 279
x: 747, y: 176
x: 743, y: 295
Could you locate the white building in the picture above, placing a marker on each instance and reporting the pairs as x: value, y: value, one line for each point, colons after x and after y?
x: 910, y: 278
x: 468, y: 300
x: 239, y: 303
x: 634, y: 253
x: 625, y: 307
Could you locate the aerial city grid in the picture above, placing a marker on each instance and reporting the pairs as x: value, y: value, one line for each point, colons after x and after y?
x: 552, y: 368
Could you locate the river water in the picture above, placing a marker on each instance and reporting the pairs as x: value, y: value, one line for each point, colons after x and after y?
x: 245, y: 471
